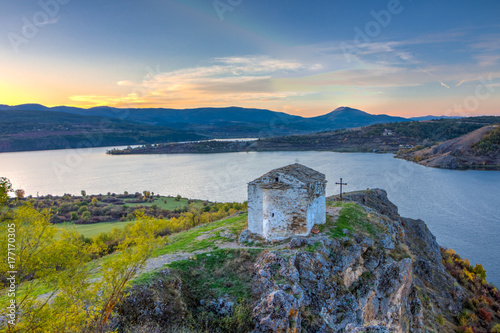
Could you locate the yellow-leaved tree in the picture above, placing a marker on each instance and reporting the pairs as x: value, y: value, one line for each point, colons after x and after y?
x: 57, y: 286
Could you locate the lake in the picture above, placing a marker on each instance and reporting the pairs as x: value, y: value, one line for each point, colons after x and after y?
x: 462, y: 208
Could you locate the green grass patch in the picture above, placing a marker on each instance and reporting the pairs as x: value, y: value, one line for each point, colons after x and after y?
x: 190, y: 240
x: 91, y: 230
x: 168, y: 203
x: 218, y: 273
x: 353, y: 218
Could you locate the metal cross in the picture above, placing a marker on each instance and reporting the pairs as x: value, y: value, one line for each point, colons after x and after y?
x: 341, y: 187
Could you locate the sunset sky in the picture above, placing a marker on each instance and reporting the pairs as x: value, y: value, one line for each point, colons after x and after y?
x: 404, y: 58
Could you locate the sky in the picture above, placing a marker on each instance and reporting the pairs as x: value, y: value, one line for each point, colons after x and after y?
x: 397, y: 57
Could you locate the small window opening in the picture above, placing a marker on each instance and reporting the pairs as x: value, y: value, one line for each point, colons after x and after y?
x: 272, y: 215
x: 277, y: 179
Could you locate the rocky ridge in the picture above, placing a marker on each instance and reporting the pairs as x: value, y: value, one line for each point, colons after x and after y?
x: 358, y: 283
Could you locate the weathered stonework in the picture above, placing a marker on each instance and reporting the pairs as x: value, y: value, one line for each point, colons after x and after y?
x: 286, y: 202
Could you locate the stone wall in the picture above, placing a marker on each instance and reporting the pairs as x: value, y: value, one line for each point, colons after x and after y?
x: 255, y: 204
x: 285, y: 213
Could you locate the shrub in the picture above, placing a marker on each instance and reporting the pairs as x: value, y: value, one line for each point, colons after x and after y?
x: 85, y: 215
x: 83, y: 209
x: 484, y: 315
x: 74, y: 216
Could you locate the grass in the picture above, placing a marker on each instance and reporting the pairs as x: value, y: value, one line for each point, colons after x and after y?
x: 188, y: 241
x: 91, y: 230
x: 168, y: 203
x: 220, y: 272
x: 353, y: 218
x: 184, y: 241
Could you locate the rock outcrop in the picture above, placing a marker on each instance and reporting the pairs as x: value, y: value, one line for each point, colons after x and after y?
x: 358, y: 283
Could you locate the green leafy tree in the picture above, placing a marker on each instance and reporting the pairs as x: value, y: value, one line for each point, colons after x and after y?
x: 5, y: 188
x: 76, y: 300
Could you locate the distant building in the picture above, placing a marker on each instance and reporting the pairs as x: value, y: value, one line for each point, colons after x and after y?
x: 388, y: 132
x: 286, y: 202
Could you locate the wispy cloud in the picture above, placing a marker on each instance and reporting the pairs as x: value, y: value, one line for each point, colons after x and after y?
x: 229, y: 80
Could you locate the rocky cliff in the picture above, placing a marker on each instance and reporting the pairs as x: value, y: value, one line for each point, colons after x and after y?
x: 362, y: 282
x: 366, y: 270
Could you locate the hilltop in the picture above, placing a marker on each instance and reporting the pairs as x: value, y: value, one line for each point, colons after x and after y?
x: 366, y: 270
x: 478, y: 149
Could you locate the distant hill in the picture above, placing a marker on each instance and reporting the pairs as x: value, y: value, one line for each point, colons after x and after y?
x: 477, y: 149
x: 387, y: 137
x: 160, y: 125
x: 429, y: 117
x: 228, y: 122
x: 40, y: 130
x: 353, y: 117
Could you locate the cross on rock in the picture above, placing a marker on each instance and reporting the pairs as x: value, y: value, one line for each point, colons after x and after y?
x: 341, y: 187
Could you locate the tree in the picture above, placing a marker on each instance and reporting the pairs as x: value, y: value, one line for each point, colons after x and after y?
x: 19, y: 193
x: 5, y: 188
x: 137, y: 247
x: 84, y: 193
x: 85, y: 215
x: 57, y: 261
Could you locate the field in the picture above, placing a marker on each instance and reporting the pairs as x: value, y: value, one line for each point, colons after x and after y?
x: 91, y: 230
x: 169, y: 203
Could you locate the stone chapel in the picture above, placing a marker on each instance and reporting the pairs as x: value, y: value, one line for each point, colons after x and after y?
x: 286, y: 202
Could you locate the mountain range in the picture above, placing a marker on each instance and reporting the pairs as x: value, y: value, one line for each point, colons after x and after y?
x: 220, y: 119
x: 35, y: 127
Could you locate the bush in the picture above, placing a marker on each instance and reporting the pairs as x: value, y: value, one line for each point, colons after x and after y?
x: 74, y: 216
x: 496, y: 329
x: 85, y: 215
x: 83, y: 209
x: 484, y: 315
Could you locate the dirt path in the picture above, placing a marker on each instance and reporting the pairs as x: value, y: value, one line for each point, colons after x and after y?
x: 160, y: 261
x: 157, y: 262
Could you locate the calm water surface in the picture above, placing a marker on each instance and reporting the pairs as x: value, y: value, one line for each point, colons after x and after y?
x: 462, y: 208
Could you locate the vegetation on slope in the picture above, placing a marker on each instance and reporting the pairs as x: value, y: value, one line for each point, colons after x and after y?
x: 211, y: 291
x: 40, y: 130
x: 388, y: 137
x: 481, y: 311
x: 489, y: 143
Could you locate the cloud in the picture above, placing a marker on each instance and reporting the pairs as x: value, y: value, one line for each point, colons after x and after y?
x: 459, y: 83
x: 228, y: 80
x: 486, y: 60
x: 444, y: 84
